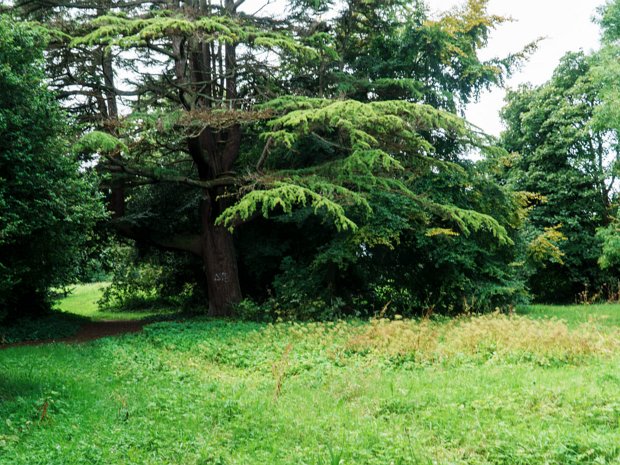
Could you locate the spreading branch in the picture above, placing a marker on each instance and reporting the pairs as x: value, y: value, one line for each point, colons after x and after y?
x: 264, y: 155
x: 117, y: 166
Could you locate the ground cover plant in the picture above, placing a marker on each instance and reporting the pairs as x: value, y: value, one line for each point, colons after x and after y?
x: 476, y: 390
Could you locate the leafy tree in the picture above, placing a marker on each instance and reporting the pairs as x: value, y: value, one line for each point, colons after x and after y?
x: 606, y: 71
x: 47, y: 207
x: 606, y: 66
x: 289, y: 119
x: 393, y: 50
x: 568, y: 159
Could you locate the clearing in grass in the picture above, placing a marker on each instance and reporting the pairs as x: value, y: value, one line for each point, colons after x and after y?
x: 78, y: 317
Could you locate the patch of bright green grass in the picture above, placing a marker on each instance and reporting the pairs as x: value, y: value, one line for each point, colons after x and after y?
x: 211, y: 392
x: 606, y: 314
x: 82, y: 301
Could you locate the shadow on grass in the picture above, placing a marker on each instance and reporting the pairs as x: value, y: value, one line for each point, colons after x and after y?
x: 59, y: 326
x: 53, y: 325
x: 22, y: 381
x: 13, y: 387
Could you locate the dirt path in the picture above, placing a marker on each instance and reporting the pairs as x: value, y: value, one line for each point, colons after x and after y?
x: 89, y: 332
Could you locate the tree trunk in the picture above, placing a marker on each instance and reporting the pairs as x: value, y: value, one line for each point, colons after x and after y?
x: 117, y: 193
x: 220, y: 264
x: 214, y: 153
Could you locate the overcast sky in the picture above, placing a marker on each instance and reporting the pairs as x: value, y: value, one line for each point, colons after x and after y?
x: 566, y: 25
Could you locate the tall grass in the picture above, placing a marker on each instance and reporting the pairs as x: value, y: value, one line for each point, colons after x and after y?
x: 487, y: 337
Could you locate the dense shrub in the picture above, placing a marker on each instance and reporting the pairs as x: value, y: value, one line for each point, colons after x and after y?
x: 148, y: 279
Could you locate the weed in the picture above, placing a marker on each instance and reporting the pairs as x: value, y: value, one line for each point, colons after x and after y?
x: 279, y: 371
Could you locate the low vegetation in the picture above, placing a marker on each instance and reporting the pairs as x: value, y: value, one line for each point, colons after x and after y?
x: 493, y: 337
x: 492, y: 389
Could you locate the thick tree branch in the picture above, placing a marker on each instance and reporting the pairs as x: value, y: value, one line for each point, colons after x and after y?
x: 118, y: 166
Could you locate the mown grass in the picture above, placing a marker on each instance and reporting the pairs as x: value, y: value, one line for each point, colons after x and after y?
x: 604, y: 314
x: 82, y: 301
x: 215, y: 392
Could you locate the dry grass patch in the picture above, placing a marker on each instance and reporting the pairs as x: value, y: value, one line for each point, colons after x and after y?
x: 487, y: 337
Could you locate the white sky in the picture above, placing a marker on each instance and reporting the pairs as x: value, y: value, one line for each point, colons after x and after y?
x: 566, y: 26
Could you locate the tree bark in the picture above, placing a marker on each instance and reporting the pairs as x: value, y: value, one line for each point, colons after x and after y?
x: 220, y: 262
x: 117, y: 193
x: 214, y: 153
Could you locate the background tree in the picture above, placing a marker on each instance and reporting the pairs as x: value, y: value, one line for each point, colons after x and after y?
x: 568, y: 159
x: 606, y: 72
x: 47, y: 208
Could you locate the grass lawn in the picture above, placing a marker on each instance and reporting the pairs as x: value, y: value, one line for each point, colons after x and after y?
x: 606, y: 314
x: 83, y: 302
x: 491, y: 390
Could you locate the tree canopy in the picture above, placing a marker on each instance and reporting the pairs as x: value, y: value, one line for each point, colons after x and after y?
x: 350, y: 119
x: 570, y: 160
x: 327, y: 141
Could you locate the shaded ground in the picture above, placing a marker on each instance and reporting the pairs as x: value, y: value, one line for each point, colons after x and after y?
x: 78, y: 318
x: 89, y: 332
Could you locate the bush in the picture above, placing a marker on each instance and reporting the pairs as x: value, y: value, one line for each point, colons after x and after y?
x: 150, y: 279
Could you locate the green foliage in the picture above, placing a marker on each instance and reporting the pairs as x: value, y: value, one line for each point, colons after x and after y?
x: 545, y: 247
x: 393, y: 256
x: 609, y: 20
x: 610, y: 238
x: 605, y: 72
x: 468, y: 220
x: 395, y: 50
x: 567, y: 158
x: 341, y: 130
x: 98, y: 142
x: 134, y: 285
x: 126, y: 32
x: 47, y: 208
x: 284, y: 196
x: 154, y: 282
